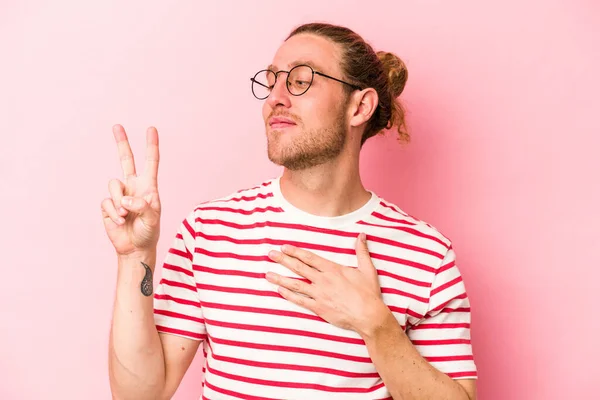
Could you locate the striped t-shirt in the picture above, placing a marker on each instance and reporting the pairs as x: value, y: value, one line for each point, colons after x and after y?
x: 258, y: 345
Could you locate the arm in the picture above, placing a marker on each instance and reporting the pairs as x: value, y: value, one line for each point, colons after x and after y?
x: 433, y: 353
x: 143, y: 364
x: 350, y: 298
x: 406, y: 374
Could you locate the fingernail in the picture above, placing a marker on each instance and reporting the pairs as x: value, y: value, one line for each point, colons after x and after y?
x: 126, y: 200
x: 120, y: 221
x: 362, y: 237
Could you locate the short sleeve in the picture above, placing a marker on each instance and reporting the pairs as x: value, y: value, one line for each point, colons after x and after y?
x: 443, y: 336
x: 177, y: 307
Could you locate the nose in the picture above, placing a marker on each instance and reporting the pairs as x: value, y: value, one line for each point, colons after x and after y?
x: 280, y: 96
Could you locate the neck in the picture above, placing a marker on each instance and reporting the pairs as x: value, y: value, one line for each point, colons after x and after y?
x: 327, y: 190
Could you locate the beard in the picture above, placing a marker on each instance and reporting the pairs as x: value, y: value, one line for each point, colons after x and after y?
x: 308, y: 148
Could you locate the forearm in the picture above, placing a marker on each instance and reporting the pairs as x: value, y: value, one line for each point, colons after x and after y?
x: 136, y: 362
x: 406, y: 374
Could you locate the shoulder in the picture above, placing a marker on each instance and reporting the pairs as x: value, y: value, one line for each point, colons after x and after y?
x: 259, y: 190
x: 410, y: 229
x: 251, y: 197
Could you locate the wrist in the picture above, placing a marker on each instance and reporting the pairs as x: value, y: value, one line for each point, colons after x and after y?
x: 147, y: 257
x: 379, y: 318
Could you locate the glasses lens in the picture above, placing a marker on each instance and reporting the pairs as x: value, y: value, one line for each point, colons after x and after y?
x: 262, y: 84
x: 300, y: 79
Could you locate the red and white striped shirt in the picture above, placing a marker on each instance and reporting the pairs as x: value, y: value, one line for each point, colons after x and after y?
x: 257, y: 345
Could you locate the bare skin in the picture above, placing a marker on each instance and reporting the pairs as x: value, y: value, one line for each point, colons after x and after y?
x: 143, y: 364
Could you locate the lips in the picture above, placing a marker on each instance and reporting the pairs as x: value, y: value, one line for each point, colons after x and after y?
x: 281, y: 123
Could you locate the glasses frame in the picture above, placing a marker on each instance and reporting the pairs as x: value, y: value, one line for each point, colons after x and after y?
x: 287, y: 80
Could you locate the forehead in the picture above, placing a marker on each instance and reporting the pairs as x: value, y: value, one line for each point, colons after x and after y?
x: 316, y: 51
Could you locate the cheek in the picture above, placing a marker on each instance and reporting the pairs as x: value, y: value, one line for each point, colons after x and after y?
x: 266, y: 110
x: 321, y: 115
x: 311, y: 112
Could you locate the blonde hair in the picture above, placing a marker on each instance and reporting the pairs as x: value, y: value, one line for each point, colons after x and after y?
x: 361, y: 65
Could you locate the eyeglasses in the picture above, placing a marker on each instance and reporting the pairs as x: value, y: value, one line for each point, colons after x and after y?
x: 299, y: 80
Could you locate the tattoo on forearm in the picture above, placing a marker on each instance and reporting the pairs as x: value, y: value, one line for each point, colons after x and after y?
x: 147, y: 281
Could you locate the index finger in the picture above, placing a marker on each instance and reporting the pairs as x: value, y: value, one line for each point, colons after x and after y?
x: 295, y: 265
x: 152, y: 154
x: 125, y: 154
x: 309, y: 258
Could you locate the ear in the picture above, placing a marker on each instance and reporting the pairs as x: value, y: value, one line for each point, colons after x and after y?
x: 365, y: 103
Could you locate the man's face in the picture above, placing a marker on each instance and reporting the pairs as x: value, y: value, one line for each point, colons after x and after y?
x: 317, y: 132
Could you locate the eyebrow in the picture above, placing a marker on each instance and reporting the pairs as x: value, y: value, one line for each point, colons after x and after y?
x: 295, y: 63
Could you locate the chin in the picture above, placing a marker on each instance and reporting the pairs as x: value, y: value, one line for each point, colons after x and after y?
x: 275, y: 154
x: 310, y: 149
x: 291, y: 160
x: 277, y: 143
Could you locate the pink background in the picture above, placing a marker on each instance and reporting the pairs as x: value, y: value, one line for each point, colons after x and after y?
x: 504, y: 161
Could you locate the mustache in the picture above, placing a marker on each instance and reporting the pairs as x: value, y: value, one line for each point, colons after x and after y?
x: 283, y: 113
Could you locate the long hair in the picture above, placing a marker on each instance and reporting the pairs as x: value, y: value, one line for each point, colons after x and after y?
x: 383, y: 71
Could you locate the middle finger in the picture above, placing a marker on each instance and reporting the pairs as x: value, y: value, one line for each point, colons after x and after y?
x: 294, y: 284
x: 295, y: 265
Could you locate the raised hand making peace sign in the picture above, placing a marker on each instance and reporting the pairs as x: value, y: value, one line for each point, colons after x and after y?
x: 132, y: 212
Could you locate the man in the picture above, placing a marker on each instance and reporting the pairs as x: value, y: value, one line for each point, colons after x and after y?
x: 307, y: 286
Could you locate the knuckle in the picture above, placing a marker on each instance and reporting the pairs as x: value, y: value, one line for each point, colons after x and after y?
x: 114, y: 186
x: 285, y: 294
x: 139, y: 203
x: 309, y: 257
x: 105, y: 204
x: 135, y: 202
x: 115, y: 201
x: 293, y: 264
x: 295, y: 285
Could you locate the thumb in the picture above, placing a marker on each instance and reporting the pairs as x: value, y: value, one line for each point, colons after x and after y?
x: 153, y: 201
x: 135, y: 204
x: 362, y: 253
x: 143, y: 207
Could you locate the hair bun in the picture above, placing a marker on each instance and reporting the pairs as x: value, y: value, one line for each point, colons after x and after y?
x: 395, y: 70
